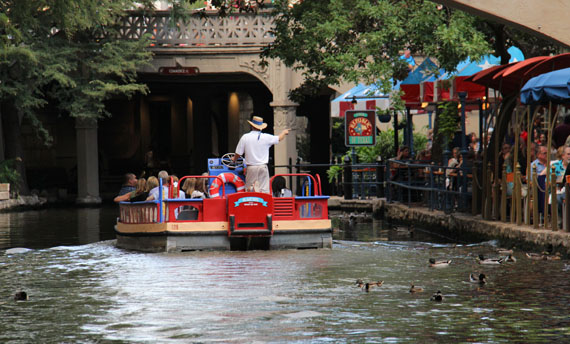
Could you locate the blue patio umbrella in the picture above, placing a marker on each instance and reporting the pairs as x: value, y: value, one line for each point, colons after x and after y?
x: 547, y: 87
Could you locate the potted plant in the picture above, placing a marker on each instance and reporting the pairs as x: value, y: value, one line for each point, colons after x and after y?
x: 384, y: 116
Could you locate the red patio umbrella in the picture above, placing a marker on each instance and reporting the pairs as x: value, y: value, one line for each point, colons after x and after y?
x: 485, y: 77
x: 511, y: 79
x: 549, y: 64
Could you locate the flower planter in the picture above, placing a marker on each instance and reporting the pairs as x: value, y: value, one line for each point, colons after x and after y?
x: 384, y: 118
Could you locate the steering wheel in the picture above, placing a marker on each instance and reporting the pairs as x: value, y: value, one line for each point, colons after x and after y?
x: 228, y: 160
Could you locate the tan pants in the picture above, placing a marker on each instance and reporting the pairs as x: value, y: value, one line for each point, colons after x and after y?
x: 257, y: 178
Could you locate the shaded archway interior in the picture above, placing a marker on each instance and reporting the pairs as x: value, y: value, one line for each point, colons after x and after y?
x: 184, y: 120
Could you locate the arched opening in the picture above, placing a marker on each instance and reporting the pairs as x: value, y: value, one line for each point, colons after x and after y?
x: 184, y: 120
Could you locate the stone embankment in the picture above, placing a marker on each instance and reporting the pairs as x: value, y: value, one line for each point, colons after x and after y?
x: 22, y: 202
x: 462, y: 227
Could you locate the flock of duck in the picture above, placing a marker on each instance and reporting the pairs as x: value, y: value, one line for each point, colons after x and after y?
x: 506, y: 256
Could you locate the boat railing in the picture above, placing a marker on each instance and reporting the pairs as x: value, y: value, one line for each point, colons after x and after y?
x: 316, y: 183
x: 308, y: 206
x: 139, y: 212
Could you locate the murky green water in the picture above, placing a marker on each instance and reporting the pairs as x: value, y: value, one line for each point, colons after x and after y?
x: 84, y: 289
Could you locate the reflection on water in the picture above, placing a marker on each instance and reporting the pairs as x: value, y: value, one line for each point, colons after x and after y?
x: 54, y: 227
x: 98, y: 293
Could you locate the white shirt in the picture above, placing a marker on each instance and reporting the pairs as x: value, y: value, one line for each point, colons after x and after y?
x: 198, y: 194
x: 255, y: 145
x: 154, y: 193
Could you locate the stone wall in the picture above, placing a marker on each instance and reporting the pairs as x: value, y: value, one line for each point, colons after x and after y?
x: 463, y: 227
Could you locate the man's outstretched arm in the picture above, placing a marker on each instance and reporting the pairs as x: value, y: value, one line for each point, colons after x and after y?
x: 283, y: 134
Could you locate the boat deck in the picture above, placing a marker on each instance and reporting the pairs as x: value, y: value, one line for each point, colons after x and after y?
x: 242, y: 220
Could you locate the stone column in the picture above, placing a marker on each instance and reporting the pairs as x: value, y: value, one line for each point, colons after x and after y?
x: 284, y: 117
x: 87, y: 161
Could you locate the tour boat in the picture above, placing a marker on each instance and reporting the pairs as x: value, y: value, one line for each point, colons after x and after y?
x: 231, y: 219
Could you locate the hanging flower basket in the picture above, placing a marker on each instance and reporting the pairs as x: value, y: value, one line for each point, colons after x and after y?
x: 384, y: 118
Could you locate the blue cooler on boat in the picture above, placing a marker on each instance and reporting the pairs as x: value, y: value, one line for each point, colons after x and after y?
x: 216, y: 168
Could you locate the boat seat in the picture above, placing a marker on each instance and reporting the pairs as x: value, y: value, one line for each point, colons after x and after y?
x: 188, y: 214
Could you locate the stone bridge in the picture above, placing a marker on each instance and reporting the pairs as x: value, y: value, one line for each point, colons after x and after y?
x: 205, y: 81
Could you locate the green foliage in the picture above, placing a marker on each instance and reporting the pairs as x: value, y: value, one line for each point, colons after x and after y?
x: 66, y: 53
x: 333, y: 173
x: 447, y: 120
x: 362, y: 40
x: 9, y: 174
x: 384, y: 148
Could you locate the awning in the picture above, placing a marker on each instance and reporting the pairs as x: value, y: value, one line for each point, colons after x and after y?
x: 465, y: 70
x: 361, y: 97
x: 411, y: 84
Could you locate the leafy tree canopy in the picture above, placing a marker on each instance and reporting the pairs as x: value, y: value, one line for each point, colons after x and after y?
x: 66, y: 52
x: 362, y: 40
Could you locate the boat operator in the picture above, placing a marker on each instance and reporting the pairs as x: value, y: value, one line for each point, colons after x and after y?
x: 255, y: 145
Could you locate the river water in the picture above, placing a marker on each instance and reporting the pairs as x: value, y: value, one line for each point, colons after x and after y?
x: 83, y: 289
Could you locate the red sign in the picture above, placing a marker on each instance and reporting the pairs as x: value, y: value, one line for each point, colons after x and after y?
x: 179, y: 70
x: 360, y: 128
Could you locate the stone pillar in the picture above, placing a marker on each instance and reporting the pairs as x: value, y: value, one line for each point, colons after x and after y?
x: 87, y: 161
x: 284, y: 117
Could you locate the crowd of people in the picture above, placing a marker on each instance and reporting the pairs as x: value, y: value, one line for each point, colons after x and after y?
x: 140, y: 189
x: 545, y: 158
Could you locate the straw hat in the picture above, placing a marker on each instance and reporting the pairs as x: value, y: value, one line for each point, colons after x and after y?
x: 257, y: 123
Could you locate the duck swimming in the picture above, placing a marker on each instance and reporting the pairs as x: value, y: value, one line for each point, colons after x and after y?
x: 481, y: 278
x: 414, y: 289
x: 438, y: 296
x: 535, y: 256
x: 504, y: 251
x: 438, y: 263
x: 556, y: 256
x: 369, y: 285
x: 21, y: 296
x: 409, y: 230
x: 489, y: 261
x: 510, y: 259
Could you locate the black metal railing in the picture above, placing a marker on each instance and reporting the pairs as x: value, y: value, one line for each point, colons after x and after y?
x: 436, y: 187
x: 409, y: 182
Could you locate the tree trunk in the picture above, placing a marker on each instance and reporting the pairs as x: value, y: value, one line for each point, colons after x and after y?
x: 13, y: 143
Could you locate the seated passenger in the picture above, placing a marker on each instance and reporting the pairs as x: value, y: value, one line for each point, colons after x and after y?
x: 200, y: 191
x: 139, y: 194
x: 154, y: 192
x: 129, y: 185
x: 189, y: 186
x: 151, y: 184
x: 279, y: 188
x: 163, y: 175
x: 181, y: 193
